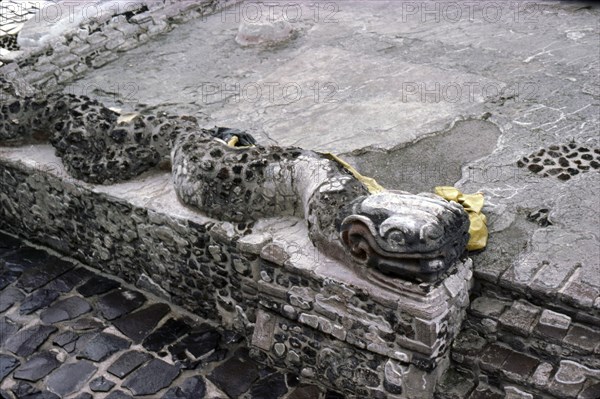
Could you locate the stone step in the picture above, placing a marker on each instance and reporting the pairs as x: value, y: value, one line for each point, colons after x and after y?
x: 515, y: 349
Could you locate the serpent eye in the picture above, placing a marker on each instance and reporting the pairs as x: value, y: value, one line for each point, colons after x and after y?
x: 397, y: 237
x: 431, y: 232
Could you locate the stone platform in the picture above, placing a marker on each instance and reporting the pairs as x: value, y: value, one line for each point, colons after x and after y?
x: 353, y: 330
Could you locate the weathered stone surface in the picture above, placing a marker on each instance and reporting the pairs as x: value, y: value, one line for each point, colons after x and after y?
x: 493, y: 357
x: 25, y: 342
x: 66, y: 340
x: 65, y: 309
x: 119, y: 303
x: 191, y: 388
x: 102, y: 346
x: 270, y: 386
x: 518, y: 367
x: 9, y: 297
x: 553, y: 324
x: 139, y: 324
x: 235, y: 376
x: 37, y: 367
x: 97, y: 285
x: 128, y: 362
x: 582, y: 338
x: 151, y: 378
x: 7, y: 364
x: 520, y: 318
x: 101, y: 384
x: 69, y: 280
x: 38, y: 276
x: 37, y: 300
x: 169, y: 332
x: 70, y: 378
x: 25, y: 258
x: 305, y: 392
x: 118, y: 394
x: 7, y: 329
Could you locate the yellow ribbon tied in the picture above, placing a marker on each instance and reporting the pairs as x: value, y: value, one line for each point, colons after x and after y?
x: 370, y: 183
x: 472, y: 203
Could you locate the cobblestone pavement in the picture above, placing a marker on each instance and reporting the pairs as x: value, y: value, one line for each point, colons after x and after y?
x: 68, y: 332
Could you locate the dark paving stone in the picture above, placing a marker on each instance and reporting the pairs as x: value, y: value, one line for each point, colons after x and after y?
x: 235, y: 376
x: 151, y: 378
x: 25, y: 342
x: 66, y: 309
x: 25, y: 258
x: 118, y: 303
x: 7, y: 329
x: 192, y: 388
x: 66, y: 340
x: 200, y: 342
x: 101, y: 384
x: 9, y: 297
x: 231, y: 337
x: 271, y: 387
x: 168, y: 333
x: 97, y: 285
x: 87, y: 324
x: 36, y: 277
x: 305, y: 392
x: 334, y: 395
x: 70, y: 378
x: 22, y: 388
x: 41, y: 395
x: 37, y: 300
x: 128, y: 362
x: 138, y: 325
x: 7, y: 364
x: 292, y: 380
x: 102, y: 346
x: 118, y: 395
x: 216, y: 356
x: 7, y: 277
x: 70, y: 279
x: 9, y: 242
x: 84, y: 395
x: 591, y: 392
x: 4, y: 394
x: 37, y: 367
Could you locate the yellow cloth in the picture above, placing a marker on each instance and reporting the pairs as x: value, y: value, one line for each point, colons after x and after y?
x: 473, y: 203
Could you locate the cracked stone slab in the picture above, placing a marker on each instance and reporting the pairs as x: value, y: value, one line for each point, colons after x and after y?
x: 102, y: 346
x: 25, y: 342
x: 139, y: 324
x: 70, y: 378
x: 37, y: 367
x: 65, y: 309
x: 39, y: 276
x: 128, y: 362
x: 120, y: 302
x: 7, y: 364
x: 151, y: 378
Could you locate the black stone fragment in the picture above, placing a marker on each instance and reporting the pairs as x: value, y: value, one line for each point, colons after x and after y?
x: 23, y: 388
x: 70, y: 279
x: 7, y: 277
x: 216, y: 356
x: 37, y: 367
x: 201, y: 341
x: 235, y: 375
x: 169, y: 332
x: 101, y: 384
x: 37, y: 300
x: 292, y: 380
x: 66, y: 309
x: 66, y: 340
x: 120, y: 302
x: 36, y: 277
x: 8, y: 242
x: 9, y: 297
x: 151, y: 378
x: 84, y: 395
x: 70, y: 378
x: 118, y: 394
x: 136, y: 326
x: 7, y: 364
x: 231, y: 337
x: 305, y: 392
x: 272, y: 386
x: 86, y: 324
x: 25, y: 258
x: 41, y: 395
x: 192, y: 388
x: 26, y: 342
x: 97, y: 285
x: 102, y: 346
x: 7, y: 329
x: 535, y: 168
x: 333, y: 395
x: 128, y: 362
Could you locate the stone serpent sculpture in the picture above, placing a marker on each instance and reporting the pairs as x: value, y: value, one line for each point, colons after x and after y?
x: 417, y: 237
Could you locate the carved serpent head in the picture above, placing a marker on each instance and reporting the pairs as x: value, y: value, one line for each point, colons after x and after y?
x: 417, y: 237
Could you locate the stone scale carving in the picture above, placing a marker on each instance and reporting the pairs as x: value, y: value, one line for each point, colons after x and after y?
x: 417, y: 237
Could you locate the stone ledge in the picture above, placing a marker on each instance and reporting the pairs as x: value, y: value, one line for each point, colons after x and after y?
x: 270, y: 284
